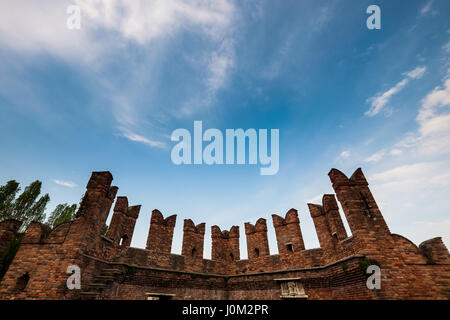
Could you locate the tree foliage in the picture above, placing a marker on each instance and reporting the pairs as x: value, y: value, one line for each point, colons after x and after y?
x: 26, y: 207
x: 7, y: 195
x: 62, y: 213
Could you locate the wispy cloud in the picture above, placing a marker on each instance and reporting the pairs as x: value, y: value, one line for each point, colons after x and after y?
x: 415, y: 171
x: 315, y: 199
x: 345, y: 154
x: 446, y: 47
x: 417, y: 73
x: 68, y: 184
x: 218, y: 64
x: 143, y: 21
x: 379, y: 101
x: 376, y: 156
x: 427, y: 8
x: 432, y: 137
x: 141, y: 139
x: 141, y: 33
x: 320, y: 18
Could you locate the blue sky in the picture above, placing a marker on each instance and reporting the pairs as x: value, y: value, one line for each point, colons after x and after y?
x: 109, y: 95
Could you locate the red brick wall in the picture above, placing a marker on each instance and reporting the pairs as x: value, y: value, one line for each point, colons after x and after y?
x: 334, y: 271
x: 160, y: 233
x: 225, y: 244
x: 288, y: 233
x: 257, y: 243
x: 193, y: 237
x: 8, y: 230
x: 123, y: 221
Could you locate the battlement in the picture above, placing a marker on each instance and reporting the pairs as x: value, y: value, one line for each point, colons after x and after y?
x: 225, y: 244
x: 257, y: 243
x: 80, y: 242
x: 193, y: 238
x: 161, y: 232
x: 122, y: 224
x: 288, y: 233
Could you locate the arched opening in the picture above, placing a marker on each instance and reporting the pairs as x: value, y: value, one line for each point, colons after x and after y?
x: 193, y: 252
x: 256, y: 252
x: 232, y: 256
x: 22, y: 282
x: 123, y: 240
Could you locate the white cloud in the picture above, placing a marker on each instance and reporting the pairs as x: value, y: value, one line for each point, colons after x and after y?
x: 40, y: 26
x: 376, y: 156
x: 143, y: 21
x: 424, y: 230
x: 439, y: 97
x: 425, y: 9
x: 138, y: 138
x: 419, y: 187
x: 345, y: 154
x: 446, y: 47
x: 110, y: 27
x: 379, y: 101
x: 67, y: 184
x: 432, y: 137
x: 416, y: 171
x: 221, y: 61
x: 417, y: 73
x: 316, y: 199
x: 396, y: 152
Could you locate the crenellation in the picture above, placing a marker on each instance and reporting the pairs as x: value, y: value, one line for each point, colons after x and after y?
x: 225, y: 244
x: 193, y: 238
x: 36, y: 233
x: 435, y: 251
x: 327, y: 243
x: 133, y: 211
x: 97, y: 202
x: 331, y: 210
x: 122, y: 224
x: 349, y: 195
x: 333, y: 271
x: 288, y: 232
x: 376, y: 220
x: 160, y: 234
x: 363, y: 216
x: 257, y: 242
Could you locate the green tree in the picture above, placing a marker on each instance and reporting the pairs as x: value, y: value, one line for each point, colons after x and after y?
x: 37, y: 211
x: 27, y: 209
x: 62, y: 213
x: 7, y: 195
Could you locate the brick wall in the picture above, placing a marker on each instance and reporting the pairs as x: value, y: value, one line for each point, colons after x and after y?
x: 336, y: 270
x: 8, y: 230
